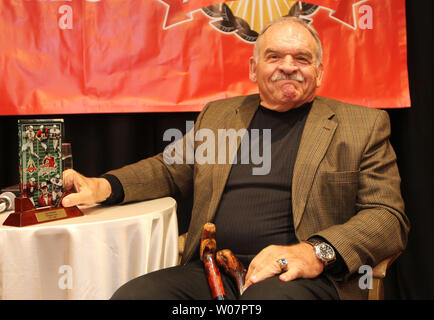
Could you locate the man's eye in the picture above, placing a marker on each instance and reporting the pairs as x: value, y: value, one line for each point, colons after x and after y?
x: 303, y: 60
x: 273, y: 57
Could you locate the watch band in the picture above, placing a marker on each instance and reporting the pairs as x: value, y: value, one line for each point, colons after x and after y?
x: 315, y: 243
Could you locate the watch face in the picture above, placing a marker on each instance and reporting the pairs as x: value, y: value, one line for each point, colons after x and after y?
x: 327, y: 253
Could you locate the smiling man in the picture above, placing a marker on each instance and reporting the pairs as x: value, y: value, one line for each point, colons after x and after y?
x: 330, y: 203
x: 287, y: 65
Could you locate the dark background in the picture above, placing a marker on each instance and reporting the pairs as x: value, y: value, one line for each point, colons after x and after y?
x: 101, y: 142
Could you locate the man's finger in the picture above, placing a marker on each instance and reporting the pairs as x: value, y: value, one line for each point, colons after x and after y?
x: 292, y: 274
x: 68, y: 179
x: 250, y: 271
x: 73, y: 199
x: 260, y: 275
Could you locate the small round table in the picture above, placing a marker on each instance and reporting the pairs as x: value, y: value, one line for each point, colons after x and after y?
x: 88, y: 257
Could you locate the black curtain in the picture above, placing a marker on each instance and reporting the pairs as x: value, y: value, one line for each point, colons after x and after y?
x: 413, y: 139
x: 101, y: 142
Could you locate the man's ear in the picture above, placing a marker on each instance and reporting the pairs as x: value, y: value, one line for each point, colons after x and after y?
x: 252, y: 69
x: 320, y: 73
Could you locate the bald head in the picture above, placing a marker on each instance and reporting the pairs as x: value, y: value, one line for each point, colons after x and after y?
x: 289, y: 21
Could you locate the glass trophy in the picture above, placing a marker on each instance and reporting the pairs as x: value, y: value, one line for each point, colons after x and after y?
x: 41, y: 168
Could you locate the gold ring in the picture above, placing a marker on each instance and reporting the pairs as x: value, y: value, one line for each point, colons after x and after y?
x: 283, y: 264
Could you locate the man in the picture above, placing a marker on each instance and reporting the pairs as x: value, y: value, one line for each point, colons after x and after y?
x: 56, y: 188
x: 333, y: 183
x: 45, y: 198
x: 42, y: 136
x: 29, y: 137
x: 55, y: 135
x: 29, y: 189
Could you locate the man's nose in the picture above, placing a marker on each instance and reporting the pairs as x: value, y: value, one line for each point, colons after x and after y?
x: 288, y: 65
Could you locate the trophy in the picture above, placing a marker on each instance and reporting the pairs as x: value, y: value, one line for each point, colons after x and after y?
x: 41, y: 168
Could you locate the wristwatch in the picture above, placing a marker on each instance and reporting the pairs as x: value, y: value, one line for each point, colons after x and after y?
x: 323, y: 251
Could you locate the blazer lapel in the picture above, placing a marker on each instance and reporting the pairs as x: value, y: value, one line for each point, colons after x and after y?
x: 317, y: 135
x: 240, y: 119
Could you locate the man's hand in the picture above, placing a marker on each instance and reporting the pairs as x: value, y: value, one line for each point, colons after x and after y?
x: 301, y: 258
x: 88, y: 190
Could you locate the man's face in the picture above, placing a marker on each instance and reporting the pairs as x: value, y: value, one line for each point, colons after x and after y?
x: 286, y: 68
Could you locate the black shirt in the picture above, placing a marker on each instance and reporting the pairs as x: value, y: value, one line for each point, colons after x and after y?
x: 255, y: 210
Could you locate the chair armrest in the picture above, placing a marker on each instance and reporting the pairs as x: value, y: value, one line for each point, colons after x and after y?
x: 380, y: 269
x: 181, y: 244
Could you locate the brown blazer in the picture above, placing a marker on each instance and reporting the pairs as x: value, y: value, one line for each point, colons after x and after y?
x: 346, y: 184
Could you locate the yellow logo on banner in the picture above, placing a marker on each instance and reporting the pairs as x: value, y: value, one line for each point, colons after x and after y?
x: 260, y: 13
x: 246, y: 18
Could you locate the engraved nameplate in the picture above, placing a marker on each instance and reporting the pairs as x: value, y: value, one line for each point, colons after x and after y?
x: 50, y: 215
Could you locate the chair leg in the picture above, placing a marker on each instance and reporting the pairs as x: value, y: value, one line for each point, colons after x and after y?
x: 377, y: 291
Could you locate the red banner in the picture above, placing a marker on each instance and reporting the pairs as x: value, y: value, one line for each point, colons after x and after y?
x: 104, y: 56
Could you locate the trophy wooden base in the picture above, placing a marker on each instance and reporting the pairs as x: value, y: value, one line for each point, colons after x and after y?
x: 26, y: 214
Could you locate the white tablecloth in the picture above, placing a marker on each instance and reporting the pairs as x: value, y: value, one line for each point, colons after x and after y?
x: 88, y: 257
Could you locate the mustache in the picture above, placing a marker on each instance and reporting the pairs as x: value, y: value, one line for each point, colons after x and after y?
x: 285, y: 76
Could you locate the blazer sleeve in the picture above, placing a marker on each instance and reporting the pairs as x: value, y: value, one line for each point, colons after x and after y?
x: 159, y: 176
x: 379, y: 228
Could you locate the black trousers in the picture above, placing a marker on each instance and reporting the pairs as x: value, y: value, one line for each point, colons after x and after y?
x: 189, y: 282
